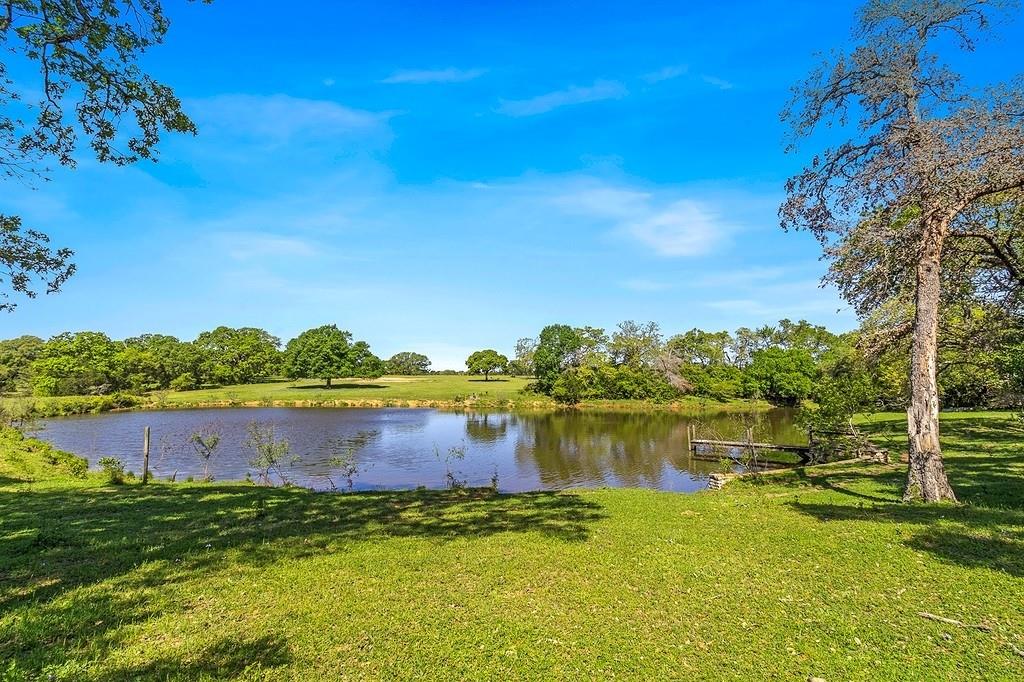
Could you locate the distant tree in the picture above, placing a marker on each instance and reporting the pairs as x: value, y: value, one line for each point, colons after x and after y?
x: 635, y: 345
x: 558, y: 348
x: 16, y: 357
x: 701, y: 348
x: 782, y: 376
x: 173, y: 358
x: 927, y: 157
x: 408, y: 364
x: 74, y: 364
x: 238, y: 356
x: 87, y: 53
x: 485, y: 362
x: 328, y: 353
x: 522, y: 362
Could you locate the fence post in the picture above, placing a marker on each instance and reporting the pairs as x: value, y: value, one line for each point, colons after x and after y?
x: 145, y: 455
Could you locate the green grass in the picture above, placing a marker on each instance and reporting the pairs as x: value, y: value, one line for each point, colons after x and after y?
x: 443, y: 391
x: 818, y: 572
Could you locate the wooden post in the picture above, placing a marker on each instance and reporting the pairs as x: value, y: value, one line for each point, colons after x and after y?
x: 145, y: 454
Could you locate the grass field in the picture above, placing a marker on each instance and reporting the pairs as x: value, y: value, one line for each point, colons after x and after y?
x: 419, y: 388
x: 443, y: 391
x: 820, y: 572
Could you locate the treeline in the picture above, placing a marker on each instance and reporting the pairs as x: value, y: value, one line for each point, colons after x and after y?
x: 91, y: 363
x: 981, y: 363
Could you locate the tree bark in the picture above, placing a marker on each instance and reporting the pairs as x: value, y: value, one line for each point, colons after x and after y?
x: 926, y: 476
x: 328, y: 382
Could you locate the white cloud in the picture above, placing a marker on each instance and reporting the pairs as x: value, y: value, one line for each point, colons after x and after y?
x: 449, y: 75
x: 665, y: 73
x: 684, y: 228
x: 719, y: 83
x: 329, y: 82
x: 278, y: 118
x: 669, y: 224
x: 600, y: 90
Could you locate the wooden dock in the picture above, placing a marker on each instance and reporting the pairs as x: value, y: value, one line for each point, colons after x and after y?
x: 696, y: 444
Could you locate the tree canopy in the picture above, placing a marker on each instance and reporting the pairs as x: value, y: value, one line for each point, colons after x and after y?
x: 486, y: 362
x: 408, y: 363
x: 91, y: 84
x: 328, y: 353
x: 927, y: 159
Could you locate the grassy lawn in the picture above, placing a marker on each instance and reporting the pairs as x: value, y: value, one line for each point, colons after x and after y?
x: 419, y: 388
x: 443, y: 391
x: 821, y: 572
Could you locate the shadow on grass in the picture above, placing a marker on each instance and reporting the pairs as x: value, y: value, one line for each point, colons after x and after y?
x: 227, y: 658
x: 985, y: 462
x: 136, y: 538
x: 332, y: 387
x: 488, y: 381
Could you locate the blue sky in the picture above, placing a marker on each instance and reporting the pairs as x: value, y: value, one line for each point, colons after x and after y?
x: 443, y: 177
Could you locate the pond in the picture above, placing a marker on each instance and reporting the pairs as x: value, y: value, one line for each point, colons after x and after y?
x: 406, y: 448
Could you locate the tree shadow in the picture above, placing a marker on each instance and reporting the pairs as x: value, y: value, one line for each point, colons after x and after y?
x: 488, y: 381
x: 985, y: 463
x: 969, y: 536
x: 135, y: 538
x: 332, y: 387
x: 227, y: 658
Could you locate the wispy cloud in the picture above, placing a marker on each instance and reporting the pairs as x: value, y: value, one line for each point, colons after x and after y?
x: 665, y: 73
x: 449, y: 75
x: 719, y: 83
x: 684, y: 228
x: 669, y: 226
x: 245, y: 246
x: 541, y: 104
x: 277, y: 118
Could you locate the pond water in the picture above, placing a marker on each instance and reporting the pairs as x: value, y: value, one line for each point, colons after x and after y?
x: 406, y: 448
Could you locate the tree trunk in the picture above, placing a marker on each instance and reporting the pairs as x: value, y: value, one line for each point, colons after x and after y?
x: 926, y: 476
x: 328, y: 382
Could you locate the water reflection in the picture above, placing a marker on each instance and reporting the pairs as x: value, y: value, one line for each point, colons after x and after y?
x: 528, y: 451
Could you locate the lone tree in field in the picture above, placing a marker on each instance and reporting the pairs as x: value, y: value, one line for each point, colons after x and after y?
x: 927, y: 153
x: 86, y: 54
x: 327, y: 353
x: 408, y: 363
x: 486, y: 361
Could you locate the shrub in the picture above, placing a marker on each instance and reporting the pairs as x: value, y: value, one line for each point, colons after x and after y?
x: 184, y: 382
x: 113, y: 468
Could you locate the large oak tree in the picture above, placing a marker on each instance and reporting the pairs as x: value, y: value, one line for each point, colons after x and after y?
x: 925, y: 156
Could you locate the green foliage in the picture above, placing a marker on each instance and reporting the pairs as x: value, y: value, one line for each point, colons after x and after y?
x: 486, y: 362
x: 113, y: 468
x: 75, y: 364
x: 327, y: 353
x: 557, y: 347
x: 184, y: 382
x: 407, y: 364
x: 79, y: 404
x: 781, y: 376
x: 16, y: 357
x: 238, y: 356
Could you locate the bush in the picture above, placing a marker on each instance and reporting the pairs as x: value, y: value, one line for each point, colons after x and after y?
x: 113, y: 468
x: 184, y: 382
x: 71, y: 405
